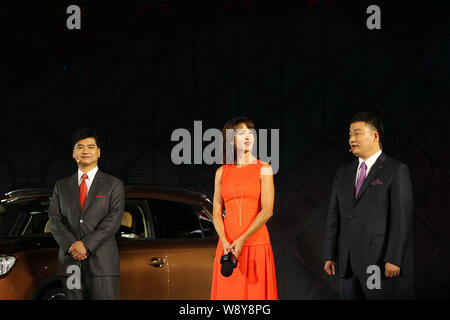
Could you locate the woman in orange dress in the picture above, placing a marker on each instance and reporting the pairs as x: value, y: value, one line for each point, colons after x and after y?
x: 247, y: 190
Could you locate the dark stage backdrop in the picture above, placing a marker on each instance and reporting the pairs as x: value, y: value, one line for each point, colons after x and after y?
x: 139, y: 70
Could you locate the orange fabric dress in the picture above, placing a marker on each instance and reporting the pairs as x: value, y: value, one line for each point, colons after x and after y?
x: 254, y: 278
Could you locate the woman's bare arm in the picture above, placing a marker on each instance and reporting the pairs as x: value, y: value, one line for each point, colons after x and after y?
x: 217, y: 210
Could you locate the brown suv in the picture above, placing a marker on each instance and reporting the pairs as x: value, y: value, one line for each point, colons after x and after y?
x: 166, y: 241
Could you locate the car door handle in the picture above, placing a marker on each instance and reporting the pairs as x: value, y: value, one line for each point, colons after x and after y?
x: 156, y: 262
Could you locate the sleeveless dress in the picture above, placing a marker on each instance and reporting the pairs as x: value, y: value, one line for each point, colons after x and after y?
x: 254, y: 277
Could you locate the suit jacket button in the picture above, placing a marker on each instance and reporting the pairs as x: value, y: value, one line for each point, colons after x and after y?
x: 81, y: 221
x: 351, y: 217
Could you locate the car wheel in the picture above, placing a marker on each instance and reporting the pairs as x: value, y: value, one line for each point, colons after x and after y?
x: 54, y: 294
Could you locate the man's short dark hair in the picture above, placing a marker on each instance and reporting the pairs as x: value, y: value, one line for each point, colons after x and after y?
x: 373, y: 119
x: 84, y: 133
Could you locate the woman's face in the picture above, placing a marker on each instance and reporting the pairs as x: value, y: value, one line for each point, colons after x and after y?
x: 243, y: 138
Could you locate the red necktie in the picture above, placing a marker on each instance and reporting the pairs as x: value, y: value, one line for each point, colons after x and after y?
x: 83, y: 190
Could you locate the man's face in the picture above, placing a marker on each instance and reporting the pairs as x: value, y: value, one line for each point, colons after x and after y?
x: 363, y: 140
x: 87, y: 152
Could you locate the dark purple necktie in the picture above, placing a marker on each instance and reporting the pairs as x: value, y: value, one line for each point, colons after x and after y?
x: 361, y: 178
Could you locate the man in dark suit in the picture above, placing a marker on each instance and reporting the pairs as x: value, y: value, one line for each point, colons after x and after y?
x: 85, y: 213
x: 370, y: 216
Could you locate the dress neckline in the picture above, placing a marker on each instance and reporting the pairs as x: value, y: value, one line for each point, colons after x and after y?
x: 255, y: 162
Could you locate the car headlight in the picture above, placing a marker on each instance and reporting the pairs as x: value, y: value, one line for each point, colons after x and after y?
x: 6, y: 263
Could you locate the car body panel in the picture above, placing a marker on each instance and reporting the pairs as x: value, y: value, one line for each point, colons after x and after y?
x: 193, y: 261
x: 138, y: 278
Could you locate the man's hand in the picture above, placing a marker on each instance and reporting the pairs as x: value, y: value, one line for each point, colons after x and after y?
x: 330, y: 267
x: 391, y: 270
x: 78, y: 251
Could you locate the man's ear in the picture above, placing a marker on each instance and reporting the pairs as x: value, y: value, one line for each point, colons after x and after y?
x: 73, y: 156
x: 377, y: 136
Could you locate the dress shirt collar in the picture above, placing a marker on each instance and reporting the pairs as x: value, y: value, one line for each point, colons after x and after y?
x: 91, y: 174
x: 370, y: 161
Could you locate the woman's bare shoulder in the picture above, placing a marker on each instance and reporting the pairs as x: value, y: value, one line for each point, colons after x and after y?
x: 266, y: 169
x: 219, y: 171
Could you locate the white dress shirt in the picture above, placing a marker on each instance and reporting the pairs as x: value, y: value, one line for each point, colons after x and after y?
x: 369, y: 163
x: 91, y: 175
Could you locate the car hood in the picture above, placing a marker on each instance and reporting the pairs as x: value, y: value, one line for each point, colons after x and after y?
x: 10, y: 246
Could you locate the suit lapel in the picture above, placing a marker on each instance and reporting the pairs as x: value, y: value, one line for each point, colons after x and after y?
x: 351, y: 179
x: 377, y: 167
x: 74, y: 191
x: 98, y: 180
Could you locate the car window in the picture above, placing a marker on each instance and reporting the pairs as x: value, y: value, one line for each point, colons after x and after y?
x: 135, y: 220
x: 206, y: 224
x: 35, y: 223
x: 24, y: 217
x: 175, y: 220
x: 168, y: 219
x: 7, y: 220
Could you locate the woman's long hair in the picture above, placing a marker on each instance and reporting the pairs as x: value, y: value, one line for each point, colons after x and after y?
x: 233, y: 124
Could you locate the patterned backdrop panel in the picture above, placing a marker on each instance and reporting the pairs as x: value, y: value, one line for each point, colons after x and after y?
x: 138, y: 72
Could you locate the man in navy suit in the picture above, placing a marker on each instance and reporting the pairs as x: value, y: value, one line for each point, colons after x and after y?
x: 85, y: 213
x: 369, y: 217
